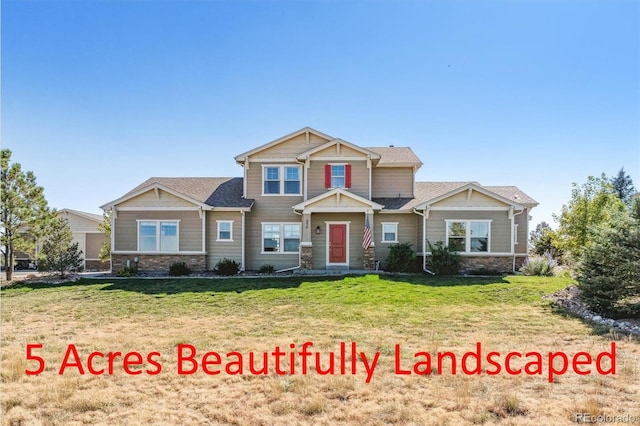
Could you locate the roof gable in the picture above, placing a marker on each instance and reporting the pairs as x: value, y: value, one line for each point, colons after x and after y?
x: 468, y: 188
x: 338, y: 144
x: 335, y: 200
x: 207, y: 193
x: 306, y: 131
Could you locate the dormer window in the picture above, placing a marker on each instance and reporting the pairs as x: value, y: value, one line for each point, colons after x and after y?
x: 281, y: 180
x: 337, y: 176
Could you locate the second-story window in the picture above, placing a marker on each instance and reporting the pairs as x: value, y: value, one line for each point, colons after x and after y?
x: 281, y: 180
x: 337, y: 176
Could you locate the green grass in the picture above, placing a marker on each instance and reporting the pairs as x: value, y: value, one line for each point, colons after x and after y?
x: 366, y: 297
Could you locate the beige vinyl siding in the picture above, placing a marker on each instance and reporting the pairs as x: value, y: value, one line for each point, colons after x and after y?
x: 359, y: 178
x: 500, y: 226
x: 161, y: 199
x: 290, y: 148
x: 94, y: 242
x: 392, y: 182
x: 217, y: 250
x: 274, y: 210
x: 407, y: 232
x: 462, y: 199
x: 126, y: 227
x: 356, y: 229
x: 78, y: 223
x: 338, y: 152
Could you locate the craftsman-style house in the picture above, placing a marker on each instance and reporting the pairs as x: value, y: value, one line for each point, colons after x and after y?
x: 311, y: 201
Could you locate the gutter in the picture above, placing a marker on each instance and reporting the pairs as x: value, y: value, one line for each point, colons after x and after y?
x: 424, y: 239
x: 513, y: 248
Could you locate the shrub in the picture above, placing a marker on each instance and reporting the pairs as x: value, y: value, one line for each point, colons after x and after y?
x: 177, y: 269
x: 127, y: 272
x: 267, y: 269
x: 401, y: 258
x: 539, y: 265
x: 227, y: 267
x: 444, y: 260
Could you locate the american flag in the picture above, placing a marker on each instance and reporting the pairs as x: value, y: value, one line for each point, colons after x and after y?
x: 366, y: 237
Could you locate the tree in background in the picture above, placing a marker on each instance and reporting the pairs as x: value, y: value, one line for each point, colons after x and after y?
x: 623, y: 186
x: 592, y: 204
x: 105, y: 226
x: 23, y: 210
x: 59, y: 253
x: 541, y: 241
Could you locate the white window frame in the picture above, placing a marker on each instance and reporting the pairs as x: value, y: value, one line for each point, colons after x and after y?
x: 395, y: 232
x: 344, y: 174
x: 282, y: 178
x: 467, y: 228
x: 281, y: 237
x: 515, y: 233
x: 158, y: 222
x: 225, y: 240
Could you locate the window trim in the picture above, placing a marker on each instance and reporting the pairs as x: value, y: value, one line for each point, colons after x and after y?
x: 515, y: 233
x: 467, y: 230
x: 395, y: 224
x: 157, y: 236
x: 282, y: 178
x: 224, y: 240
x: 344, y: 176
x: 281, y: 238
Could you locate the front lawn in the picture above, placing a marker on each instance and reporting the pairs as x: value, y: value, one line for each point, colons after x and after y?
x: 377, y: 313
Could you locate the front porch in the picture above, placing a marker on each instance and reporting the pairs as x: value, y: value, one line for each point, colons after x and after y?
x: 337, y: 232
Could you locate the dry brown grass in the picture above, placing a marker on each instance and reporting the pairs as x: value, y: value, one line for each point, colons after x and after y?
x: 254, y: 322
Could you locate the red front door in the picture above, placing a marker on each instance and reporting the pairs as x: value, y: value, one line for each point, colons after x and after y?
x: 338, y: 243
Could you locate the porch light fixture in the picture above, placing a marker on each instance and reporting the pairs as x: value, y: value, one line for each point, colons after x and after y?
x: 318, y: 229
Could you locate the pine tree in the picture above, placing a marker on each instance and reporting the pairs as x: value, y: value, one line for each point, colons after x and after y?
x: 105, y: 250
x: 59, y: 252
x: 623, y: 186
x: 23, y: 210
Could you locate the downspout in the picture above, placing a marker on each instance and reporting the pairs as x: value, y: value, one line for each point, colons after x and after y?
x: 299, y: 253
x: 244, y: 232
x: 513, y: 246
x: 424, y: 239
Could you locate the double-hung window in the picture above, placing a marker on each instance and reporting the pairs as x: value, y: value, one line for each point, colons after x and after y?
x: 281, y: 180
x: 158, y: 235
x: 468, y: 236
x: 389, y: 232
x: 280, y: 237
x: 225, y: 230
x: 337, y: 176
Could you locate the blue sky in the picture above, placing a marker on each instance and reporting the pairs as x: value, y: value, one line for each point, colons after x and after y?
x: 97, y: 96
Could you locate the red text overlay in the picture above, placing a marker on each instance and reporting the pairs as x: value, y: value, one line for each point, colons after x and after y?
x: 346, y: 359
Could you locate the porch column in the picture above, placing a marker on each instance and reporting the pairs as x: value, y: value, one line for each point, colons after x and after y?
x: 369, y: 253
x: 306, y: 250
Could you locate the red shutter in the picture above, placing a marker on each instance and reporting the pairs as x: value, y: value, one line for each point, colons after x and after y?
x: 327, y: 176
x: 347, y: 175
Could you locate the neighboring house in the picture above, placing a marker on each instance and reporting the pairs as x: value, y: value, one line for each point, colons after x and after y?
x: 311, y: 201
x: 84, y: 227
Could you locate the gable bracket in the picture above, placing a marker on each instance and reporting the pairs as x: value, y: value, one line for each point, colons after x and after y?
x: 469, y: 192
x: 157, y: 192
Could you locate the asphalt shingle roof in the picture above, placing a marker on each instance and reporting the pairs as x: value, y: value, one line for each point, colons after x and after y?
x: 216, y: 192
x: 390, y: 155
x: 425, y: 191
